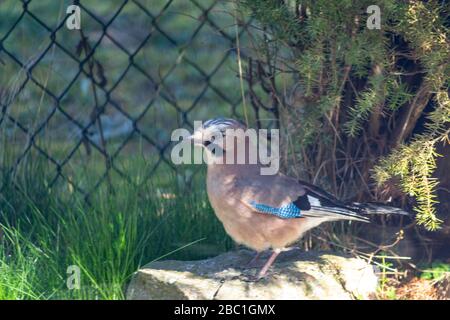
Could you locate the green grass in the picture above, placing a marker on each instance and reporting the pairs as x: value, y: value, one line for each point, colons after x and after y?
x: 45, y: 230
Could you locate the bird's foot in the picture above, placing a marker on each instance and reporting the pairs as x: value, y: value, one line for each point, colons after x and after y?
x: 261, y: 275
x: 254, y: 278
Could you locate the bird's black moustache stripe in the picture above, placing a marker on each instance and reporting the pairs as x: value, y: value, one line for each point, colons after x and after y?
x: 215, y: 148
x: 206, y: 143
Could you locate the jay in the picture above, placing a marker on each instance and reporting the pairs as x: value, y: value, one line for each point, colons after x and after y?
x: 266, y: 211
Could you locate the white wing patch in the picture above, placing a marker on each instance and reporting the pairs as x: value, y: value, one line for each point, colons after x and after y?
x: 314, y: 201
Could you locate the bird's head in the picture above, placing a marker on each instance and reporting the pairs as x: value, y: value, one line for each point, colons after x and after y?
x: 212, y: 135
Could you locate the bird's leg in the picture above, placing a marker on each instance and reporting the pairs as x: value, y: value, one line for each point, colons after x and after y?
x: 269, y: 262
x: 254, y: 260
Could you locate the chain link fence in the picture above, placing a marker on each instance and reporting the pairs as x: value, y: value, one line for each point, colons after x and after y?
x: 118, y: 86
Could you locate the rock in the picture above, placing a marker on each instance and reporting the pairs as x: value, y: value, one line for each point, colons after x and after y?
x: 443, y: 288
x: 295, y: 275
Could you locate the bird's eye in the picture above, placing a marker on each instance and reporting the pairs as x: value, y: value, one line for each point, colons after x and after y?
x: 206, y: 143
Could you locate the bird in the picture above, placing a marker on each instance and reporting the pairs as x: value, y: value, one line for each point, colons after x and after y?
x: 266, y: 212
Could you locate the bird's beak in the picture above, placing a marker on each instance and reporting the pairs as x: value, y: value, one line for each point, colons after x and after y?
x: 196, y: 138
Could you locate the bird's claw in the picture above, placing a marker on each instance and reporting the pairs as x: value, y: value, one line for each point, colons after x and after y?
x: 252, y: 279
x: 256, y: 278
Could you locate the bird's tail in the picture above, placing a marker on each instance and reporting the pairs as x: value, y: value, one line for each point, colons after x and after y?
x: 376, y: 208
x: 325, y: 205
x: 353, y: 211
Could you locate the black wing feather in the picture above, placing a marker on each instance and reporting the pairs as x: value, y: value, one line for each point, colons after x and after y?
x: 329, y: 204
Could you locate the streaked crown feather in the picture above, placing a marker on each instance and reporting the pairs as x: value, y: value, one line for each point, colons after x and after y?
x: 222, y: 123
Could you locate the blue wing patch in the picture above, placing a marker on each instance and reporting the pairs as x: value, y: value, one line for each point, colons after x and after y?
x: 287, y: 211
